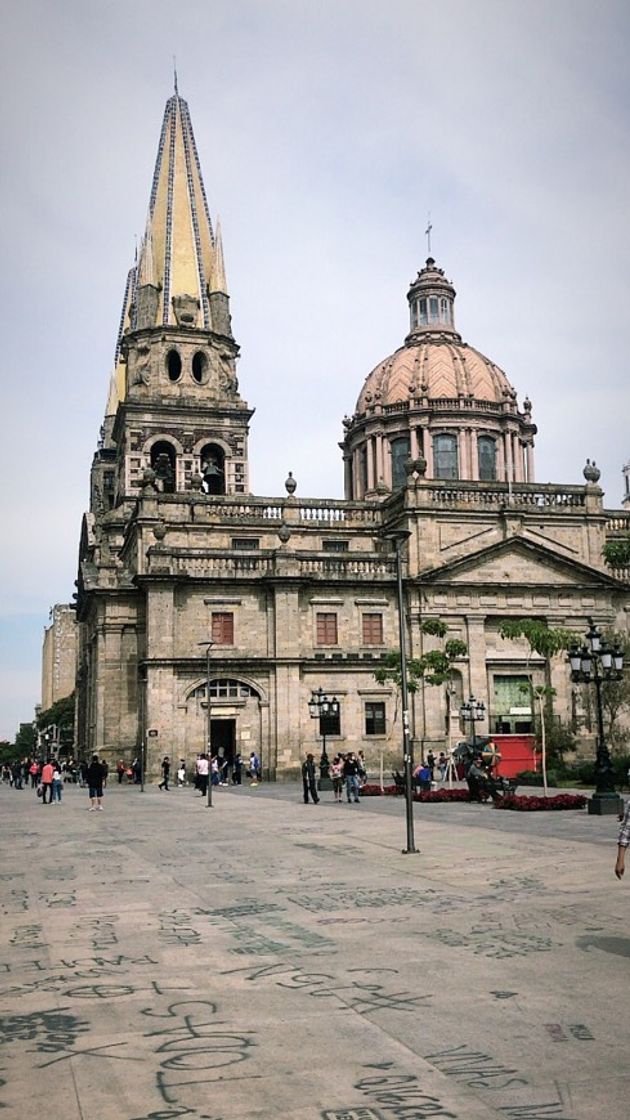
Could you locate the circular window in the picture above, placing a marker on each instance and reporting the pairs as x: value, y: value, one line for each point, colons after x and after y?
x: 199, y: 363
x: 173, y: 365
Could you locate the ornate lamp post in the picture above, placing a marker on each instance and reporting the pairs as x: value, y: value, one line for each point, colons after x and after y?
x: 208, y: 644
x: 399, y: 537
x: 473, y: 711
x: 595, y: 663
x: 320, y: 705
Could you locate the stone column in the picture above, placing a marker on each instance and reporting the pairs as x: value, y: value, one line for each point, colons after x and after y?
x: 478, y: 683
x: 380, y: 467
x: 529, y: 451
x: 474, y: 455
x: 371, y: 480
x: 428, y: 454
x: 413, y: 443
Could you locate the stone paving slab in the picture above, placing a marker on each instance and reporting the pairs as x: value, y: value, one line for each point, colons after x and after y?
x: 264, y: 958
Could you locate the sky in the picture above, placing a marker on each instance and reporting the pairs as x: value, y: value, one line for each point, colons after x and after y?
x: 327, y: 132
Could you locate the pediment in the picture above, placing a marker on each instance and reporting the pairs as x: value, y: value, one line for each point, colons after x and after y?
x: 518, y: 563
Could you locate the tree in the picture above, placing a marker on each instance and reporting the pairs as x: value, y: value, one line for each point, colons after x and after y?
x: 59, y: 715
x: 434, y: 667
x: 616, y: 552
x: 25, y: 740
x: 616, y: 694
x: 547, y: 641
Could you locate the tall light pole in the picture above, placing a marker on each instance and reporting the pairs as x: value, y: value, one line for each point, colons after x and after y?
x: 208, y: 644
x: 595, y: 663
x: 399, y: 537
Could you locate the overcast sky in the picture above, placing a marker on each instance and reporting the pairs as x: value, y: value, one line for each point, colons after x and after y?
x: 327, y: 130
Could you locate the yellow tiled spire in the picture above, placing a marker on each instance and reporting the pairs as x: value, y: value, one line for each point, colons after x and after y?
x: 218, y: 282
x: 177, y: 253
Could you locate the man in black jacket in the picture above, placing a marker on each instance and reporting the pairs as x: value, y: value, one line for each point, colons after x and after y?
x: 308, y: 779
x: 95, y: 777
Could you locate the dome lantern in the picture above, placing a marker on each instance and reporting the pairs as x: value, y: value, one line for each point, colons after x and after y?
x: 431, y: 297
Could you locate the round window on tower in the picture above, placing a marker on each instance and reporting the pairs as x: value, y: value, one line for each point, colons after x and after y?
x: 173, y: 365
x: 199, y: 366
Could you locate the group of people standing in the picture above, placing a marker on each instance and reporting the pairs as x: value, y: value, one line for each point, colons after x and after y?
x: 345, y: 771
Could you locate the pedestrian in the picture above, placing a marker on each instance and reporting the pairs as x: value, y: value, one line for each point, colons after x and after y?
x: 95, y: 779
x: 181, y: 773
x: 442, y: 763
x: 105, y: 772
x: 166, y: 769
x: 136, y: 766
x: 202, y: 774
x: 47, y: 780
x: 254, y: 767
x: 623, y: 841
x: 214, y: 771
x: 351, y: 777
x: 422, y: 776
x: 57, y: 784
x: 431, y: 764
x: 308, y: 779
x: 34, y: 773
x: 336, y: 773
x: 237, y: 770
x: 120, y: 770
x: 362, y: 769
x: 83, y: 771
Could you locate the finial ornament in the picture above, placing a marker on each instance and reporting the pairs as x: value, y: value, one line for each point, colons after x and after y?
x: 427, y: 233
x: 591, y: 471
x: 175, y: 75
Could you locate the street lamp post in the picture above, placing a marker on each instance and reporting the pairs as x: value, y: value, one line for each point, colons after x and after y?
x: 208, y: 644
x: 320, y: 705
x: 595, y: 663
x: 473, y: 711
x: 399, y: 537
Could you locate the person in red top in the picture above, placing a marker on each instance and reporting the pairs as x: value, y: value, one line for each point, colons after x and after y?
x: 47, y: 780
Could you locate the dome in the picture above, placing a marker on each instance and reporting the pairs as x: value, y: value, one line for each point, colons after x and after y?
x: 436, y: 409
x: 436, y: 367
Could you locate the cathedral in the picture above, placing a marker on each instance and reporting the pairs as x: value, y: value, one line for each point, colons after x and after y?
x: 204, y: 610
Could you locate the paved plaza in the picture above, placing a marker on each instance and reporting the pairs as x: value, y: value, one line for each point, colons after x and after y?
x: 266, y: 958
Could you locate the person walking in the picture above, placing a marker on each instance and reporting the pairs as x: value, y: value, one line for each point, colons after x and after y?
x: 442, y: 763
x: 623, y: 841
x: 47, y: 780
x: 96, y: 775
x: 202, y: 774
x: 181, y: 773
x: 351, y: 775
x: 237, y: 770
x: 308, y: 779
x: 57, y: 784
x: 166, y: 769
x: 336, y: 773
x: 120, y: 770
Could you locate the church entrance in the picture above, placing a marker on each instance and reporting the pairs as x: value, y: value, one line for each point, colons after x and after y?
x: 223, y: 739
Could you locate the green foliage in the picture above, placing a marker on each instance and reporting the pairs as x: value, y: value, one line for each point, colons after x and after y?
x: 434, y: 666
x: 60, y: 714
x: 616, y: 696
x: 25, y: 740
x: 616, y: 552
x: 542, y: 639
x: 9, y: 752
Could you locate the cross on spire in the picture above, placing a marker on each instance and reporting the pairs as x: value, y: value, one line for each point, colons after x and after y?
x: 427, y: 234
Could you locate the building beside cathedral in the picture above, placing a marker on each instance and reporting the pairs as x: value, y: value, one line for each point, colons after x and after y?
x: 298, y: 594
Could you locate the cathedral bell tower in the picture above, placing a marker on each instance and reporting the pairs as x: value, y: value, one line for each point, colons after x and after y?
x: 174, y: 413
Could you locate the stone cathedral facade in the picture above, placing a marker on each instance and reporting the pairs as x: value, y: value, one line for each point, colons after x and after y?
x: 297, y: 594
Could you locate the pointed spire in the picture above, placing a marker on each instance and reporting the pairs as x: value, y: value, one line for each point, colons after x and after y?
x: 218, y: 282
x: 177, y: 252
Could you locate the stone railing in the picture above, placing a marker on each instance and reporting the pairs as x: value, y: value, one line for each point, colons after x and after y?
x: 492, y: 495
x: 231, y: 565
x: 617, y: 521
x: 254, y: 510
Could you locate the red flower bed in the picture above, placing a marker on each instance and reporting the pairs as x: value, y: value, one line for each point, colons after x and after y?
x: 426, y: 795
x: 528, y: 804
x: 520, y: 803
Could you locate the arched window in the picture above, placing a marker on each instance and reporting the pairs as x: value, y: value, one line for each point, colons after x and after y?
x: 163, y: 463
x: 199, y: 364
x: 445, y: 457
x: 487, y: 453
x: 173, y: 365
x: 400, y: 454
x: 213, y: 469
